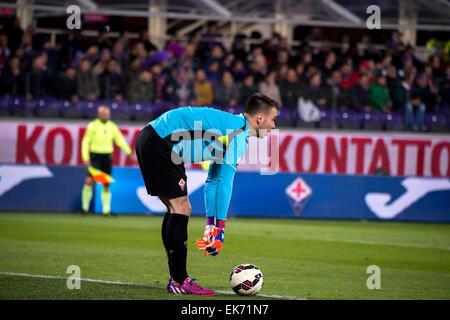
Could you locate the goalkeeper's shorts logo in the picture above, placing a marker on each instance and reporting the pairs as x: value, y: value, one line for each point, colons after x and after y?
x: 181, y: 183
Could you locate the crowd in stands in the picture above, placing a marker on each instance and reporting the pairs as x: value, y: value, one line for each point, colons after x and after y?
x: 203, y: 72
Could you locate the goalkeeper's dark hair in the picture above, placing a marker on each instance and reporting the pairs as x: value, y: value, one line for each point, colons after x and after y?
x: 258, y: 102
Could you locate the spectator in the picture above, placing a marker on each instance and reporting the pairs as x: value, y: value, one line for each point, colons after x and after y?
x: 415, y: 109
x: 174, y: 47
x: 247, y: 88
x: 213, y: 72
x: 328, y: 66
x: 394, y: 85
x: 189, y: 54
x: 300, y: 70
x: 203, y: 88
x: 87, y: 82
x: 38, y: 80
x: 149, y: 47
x: 342, y: 96
x: 380, y: 99
x: 103, y: 41
x: 14, y: 33
x: 402, y: 95
x: 225, y: 92
x: 289, y: 89
x: 180, y: 90
x: 319, y: 94
x: 67, y: 85
x: 238, y: 50
x: 238, y: 70
x: 12, y: 80
x: 141, y: 88
x: 216, y: 55
x: 5, y: 52
x: 270, y: 88
x: 159, y: 80
x: 133, y: 69
x: 211, y: 38
x: 112, y: 82
x: 101, y: 64
x: 118, y: 52
x: 27, y: 46
x: 360, y: 95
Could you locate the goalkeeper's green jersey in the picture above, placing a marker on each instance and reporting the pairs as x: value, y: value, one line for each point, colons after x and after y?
x: 99, y: 138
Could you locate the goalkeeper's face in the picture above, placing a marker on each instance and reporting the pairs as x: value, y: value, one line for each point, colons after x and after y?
x: 265, y: 122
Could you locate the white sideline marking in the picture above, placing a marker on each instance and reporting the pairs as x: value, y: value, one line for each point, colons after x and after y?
x: 135, y: 284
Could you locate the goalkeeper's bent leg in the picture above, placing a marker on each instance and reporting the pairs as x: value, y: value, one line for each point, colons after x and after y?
x: 177, y: 237
x: 86, y: 197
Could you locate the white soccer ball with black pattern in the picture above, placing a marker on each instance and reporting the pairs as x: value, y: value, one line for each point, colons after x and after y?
x: 246, y: 280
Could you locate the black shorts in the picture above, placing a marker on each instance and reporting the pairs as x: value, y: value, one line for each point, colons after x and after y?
x: 161, y: 175
x: 101, y: 161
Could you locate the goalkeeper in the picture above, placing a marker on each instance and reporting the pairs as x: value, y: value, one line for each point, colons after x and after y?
x: 187, y: 135
x: 96, y: 151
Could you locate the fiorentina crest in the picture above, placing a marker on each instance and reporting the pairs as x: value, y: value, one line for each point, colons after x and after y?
x: 298, y: 193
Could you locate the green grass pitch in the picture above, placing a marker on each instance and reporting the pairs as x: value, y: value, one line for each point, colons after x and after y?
x: 311, y: 259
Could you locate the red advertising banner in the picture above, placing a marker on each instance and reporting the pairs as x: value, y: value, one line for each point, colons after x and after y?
x: 398, y: 154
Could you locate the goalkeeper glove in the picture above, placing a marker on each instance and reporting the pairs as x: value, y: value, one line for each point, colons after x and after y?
x: 212, y: 242
x: 215, y: 242
x: 207, y: 234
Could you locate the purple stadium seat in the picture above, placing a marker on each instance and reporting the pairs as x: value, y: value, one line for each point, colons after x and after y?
x: 348, y: 119
x: 119, y: 110
x: 141, y: 111
x: 372, y: 120
x: 326, y: 118
x: 90, y: 108
x: 4, y: 105
x: 393, y: 121
x: 46, y: 107
x: 20, y: 106
x: 437, y: 122
x: 68, y: 109
x: 286, y: 117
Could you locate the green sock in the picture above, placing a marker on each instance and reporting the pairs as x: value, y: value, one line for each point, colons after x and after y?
x: 86, y: 197
x: 106, y: 200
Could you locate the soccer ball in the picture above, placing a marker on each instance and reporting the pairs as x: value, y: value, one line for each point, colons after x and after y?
x: 246, y: 279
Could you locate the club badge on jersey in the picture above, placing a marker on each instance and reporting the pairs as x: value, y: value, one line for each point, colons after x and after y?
x: 181, y: 183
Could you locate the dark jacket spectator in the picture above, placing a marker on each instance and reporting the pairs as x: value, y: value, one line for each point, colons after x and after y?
x: 289, y: 90
x: 141, y: 88
x: 225, y: 92
x: 67, y: 85
x: 341, y: 95
x: 421, y: 91
x: 87, y: 83
x: 360, y: 95
x: 180, y: 90
x: 112, y: 82
x: 247, y: 88
x: 319, y: 94
x: 38, y: 80
x: 12, y: 80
